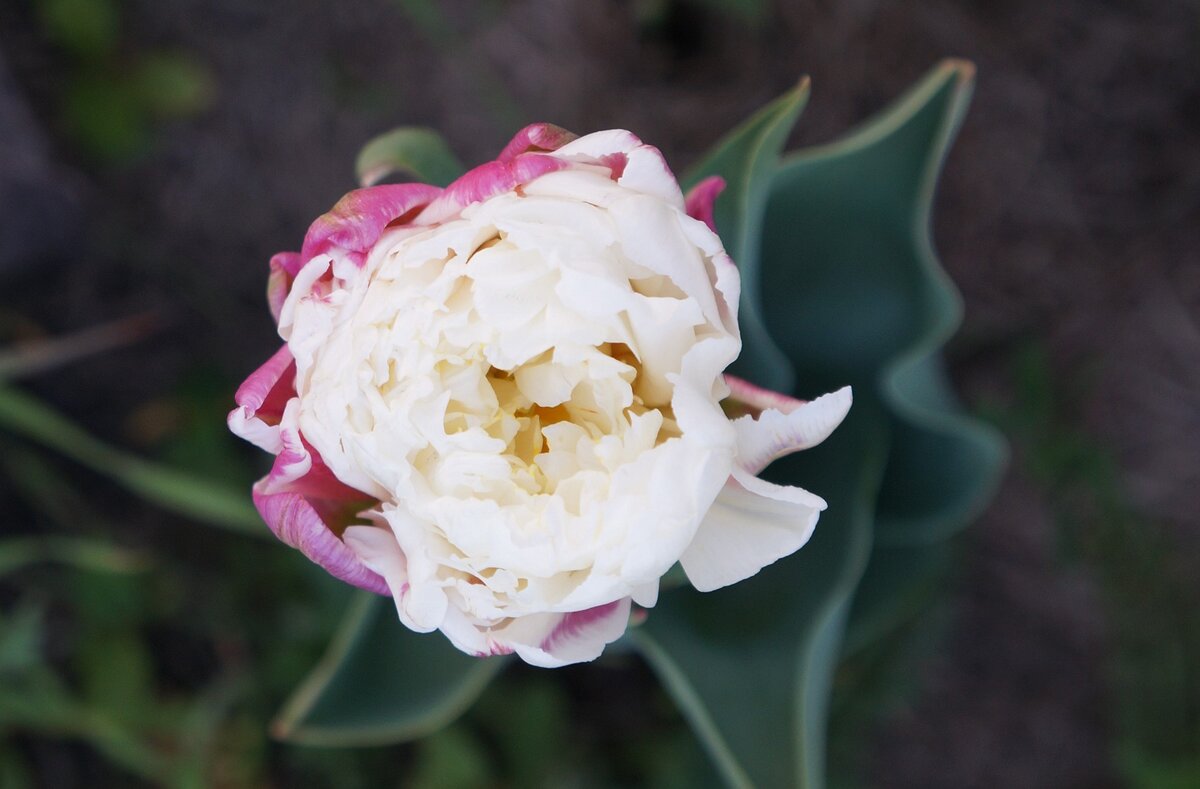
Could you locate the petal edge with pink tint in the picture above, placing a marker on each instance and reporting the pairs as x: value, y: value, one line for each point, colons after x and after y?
x: 776, y: 433
x: 261, y: 401
x: 294, y: 520
x: 355, y: 223
x: 536, y: 137
x: 701, y: 200
x: 486, y: 181
x: 283, y: 269
x: 756, y: 399
x: 575, y: 637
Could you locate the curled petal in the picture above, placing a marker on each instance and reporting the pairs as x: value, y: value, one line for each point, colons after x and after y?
x: 377, y: 549
x: 308, y: 508
x: 548, y: 640
x: 422, y: 607
x: 536, y: 137
x: 296, y: 522
x: 486, y: 181
x: 261, y: 401
x: 644, y: 169
x: 358, y: 219
x: 754, y: 399
x: 701, y: 199
x: 752, y: 524
x: 776, y: 432
x: 284, y: 267
x: 300, y: 469
x: 553, y: 640
x: 599, y: 144
x: 578, y: 636
x: 616, y: 163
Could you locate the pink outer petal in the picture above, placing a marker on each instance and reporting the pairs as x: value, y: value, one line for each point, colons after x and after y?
x: 299, y: 468
x: 536, y: 137
x: 307, y: 507
x: 486, y: 181
x: 546, y: 640
x: 756, y: 399
x: 701, y: 198
x: 358, y: 219
x: 616, y: 164
x: 284, y: 267
x: 261, y: 400
x: 296, y: 522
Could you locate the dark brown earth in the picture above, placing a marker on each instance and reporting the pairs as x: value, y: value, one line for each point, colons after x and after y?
x: 1069, y: 216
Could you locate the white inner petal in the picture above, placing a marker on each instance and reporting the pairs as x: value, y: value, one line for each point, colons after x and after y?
x: 505, y: 382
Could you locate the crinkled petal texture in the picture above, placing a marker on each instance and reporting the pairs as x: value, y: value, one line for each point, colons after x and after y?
x: 502, y: 401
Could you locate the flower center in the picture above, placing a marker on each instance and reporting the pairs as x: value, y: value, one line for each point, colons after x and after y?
x: 558, y: 420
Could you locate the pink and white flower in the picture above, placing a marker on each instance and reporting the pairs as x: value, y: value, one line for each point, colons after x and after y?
x: 500, y: 402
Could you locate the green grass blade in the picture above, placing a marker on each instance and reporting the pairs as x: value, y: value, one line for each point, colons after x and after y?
x: 200, y: 499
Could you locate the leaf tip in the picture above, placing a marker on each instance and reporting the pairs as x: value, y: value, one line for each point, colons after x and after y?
x: 961, y: 68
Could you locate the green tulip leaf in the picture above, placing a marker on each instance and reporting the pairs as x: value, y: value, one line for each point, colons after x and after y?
x: 853, y: 293
x: 410, y: 150
x: 897, y: 586
x: 747, y: 158
x: 847, y: 285
x: 381, y: 683
x: 751, y: 665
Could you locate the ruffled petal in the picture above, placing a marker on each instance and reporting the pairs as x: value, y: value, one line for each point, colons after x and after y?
x: 752, y: 524
x: 358, y: 219
x: 284, y: 267
x: 377, y: 548
x: 754, y: 399
x: 701, y: 198
x: 261, y: 400
x: 536, y: 137
x: 778, y: 432
x: 306, y: 507
x: 296, y: 522
x: 486, y: 181
x: 642, y: 167
x: 553, y: 640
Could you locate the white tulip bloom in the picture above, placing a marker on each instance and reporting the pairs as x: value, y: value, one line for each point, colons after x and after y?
x: 501, y: 402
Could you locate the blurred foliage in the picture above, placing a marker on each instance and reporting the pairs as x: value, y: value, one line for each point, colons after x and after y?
x: 185, y: 493
x: 658, y: 14
x: 112, y: 97
x: 495, y: 101
x: 1150, y: 599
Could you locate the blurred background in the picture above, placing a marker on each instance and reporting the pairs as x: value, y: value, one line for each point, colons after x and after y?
x: 155, y: 153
